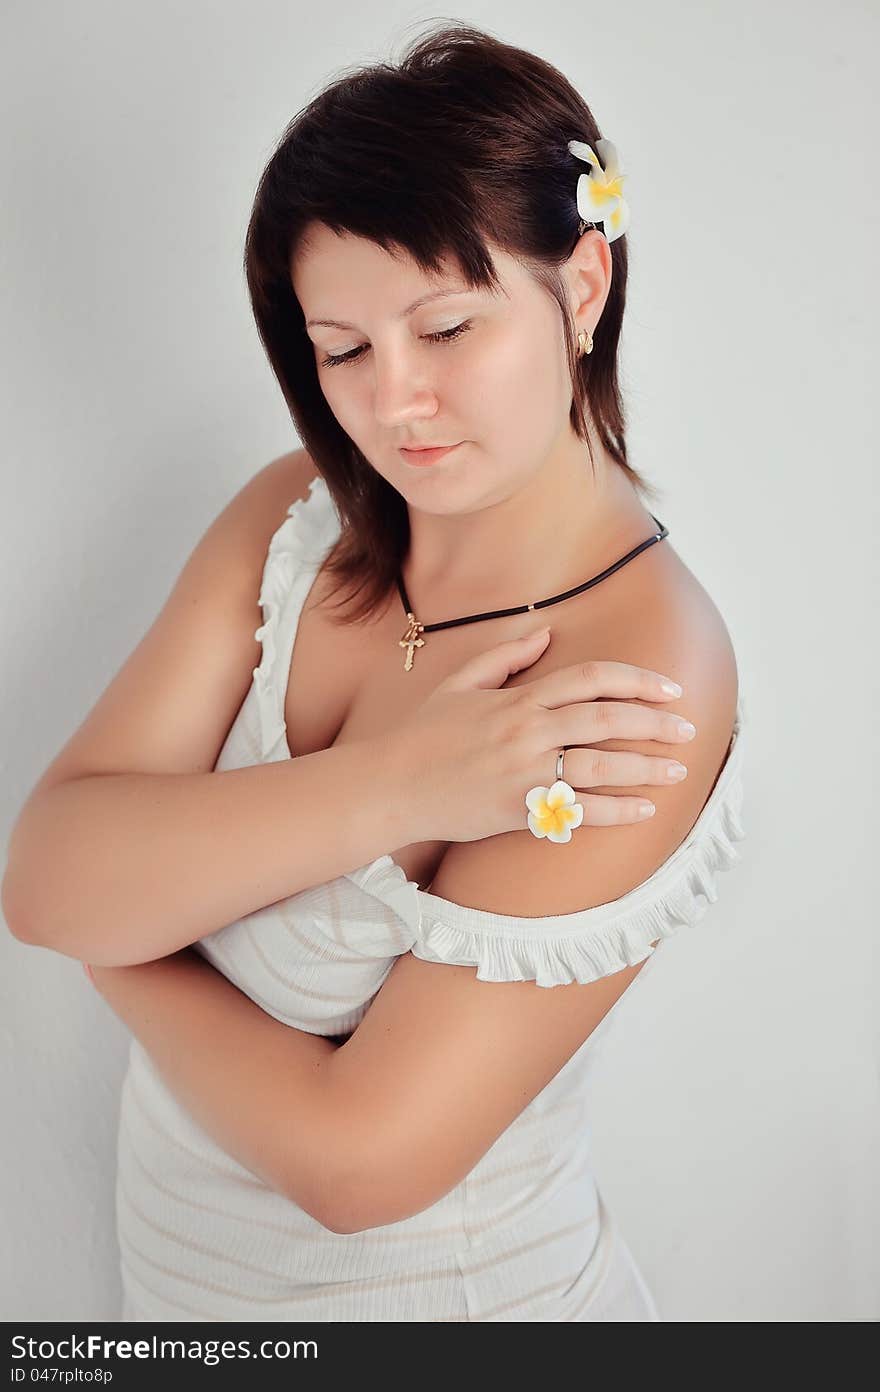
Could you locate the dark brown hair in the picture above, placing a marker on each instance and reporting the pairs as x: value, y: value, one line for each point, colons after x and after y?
x: 464, y: 141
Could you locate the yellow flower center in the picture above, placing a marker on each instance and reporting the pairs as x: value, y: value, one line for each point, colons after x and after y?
x: 556, y: 818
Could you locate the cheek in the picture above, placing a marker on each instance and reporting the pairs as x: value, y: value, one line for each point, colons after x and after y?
x: 519, y: 389
x: 344, y: 399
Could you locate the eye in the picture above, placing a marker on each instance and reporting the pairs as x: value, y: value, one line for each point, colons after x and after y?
x: 443, y: 336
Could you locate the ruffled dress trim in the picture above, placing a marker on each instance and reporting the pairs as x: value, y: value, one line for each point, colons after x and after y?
x: 590, y: 943
x: 294, y: 558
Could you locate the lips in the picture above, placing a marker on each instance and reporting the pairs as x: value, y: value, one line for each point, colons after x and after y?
x: 425, y: 456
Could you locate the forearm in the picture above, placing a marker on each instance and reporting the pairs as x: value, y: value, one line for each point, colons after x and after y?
x: 124, y: 868
x: 261, y: 1089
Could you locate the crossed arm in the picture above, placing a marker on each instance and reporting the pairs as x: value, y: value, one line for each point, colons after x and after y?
x: 358, y: 1135
x: 382, y: 1126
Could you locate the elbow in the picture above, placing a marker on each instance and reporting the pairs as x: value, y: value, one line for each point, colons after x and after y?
x: 347, y: 1219
x: 322, y: 1184
x: 350, y: 1213
x: 371, y: 1200
x: 14, y: 915
x: 342, y: 1226
x: 24, y: 925
x: 335, y: 1206
x: 352, y: 1197
x: 17, y: 886
x: 20, y: 907
x: 368, y: 1176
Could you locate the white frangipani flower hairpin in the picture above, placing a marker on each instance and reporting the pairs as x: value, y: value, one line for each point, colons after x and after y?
x: 553, y: 811
x: 600, y: 192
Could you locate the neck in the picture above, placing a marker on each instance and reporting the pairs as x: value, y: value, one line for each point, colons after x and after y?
x: 565, y: 525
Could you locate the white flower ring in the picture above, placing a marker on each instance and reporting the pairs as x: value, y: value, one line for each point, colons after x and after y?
x: 553, y: 811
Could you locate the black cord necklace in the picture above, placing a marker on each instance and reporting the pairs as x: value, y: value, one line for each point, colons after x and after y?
x: 411, y: 639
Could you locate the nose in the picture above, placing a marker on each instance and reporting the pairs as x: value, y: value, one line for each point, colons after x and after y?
x: 400, y: 393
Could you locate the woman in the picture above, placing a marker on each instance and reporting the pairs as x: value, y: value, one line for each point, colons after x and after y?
x: 351, y: 1095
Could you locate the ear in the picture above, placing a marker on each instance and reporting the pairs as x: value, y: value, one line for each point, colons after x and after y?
x: 588, y: 276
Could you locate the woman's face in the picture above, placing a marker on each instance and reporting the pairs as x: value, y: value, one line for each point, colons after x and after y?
x: 485, y: 372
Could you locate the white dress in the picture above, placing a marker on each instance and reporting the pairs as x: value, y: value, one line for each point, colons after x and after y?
x: 526, y: 1234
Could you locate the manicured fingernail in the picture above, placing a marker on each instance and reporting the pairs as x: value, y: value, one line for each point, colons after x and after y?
x: 671, y: 688
x: 647, y: 809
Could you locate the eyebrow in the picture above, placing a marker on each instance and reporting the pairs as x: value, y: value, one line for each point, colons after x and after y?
x: 410, y: 309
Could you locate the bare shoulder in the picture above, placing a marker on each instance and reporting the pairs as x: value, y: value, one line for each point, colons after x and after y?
x: 667, y: 622
x: 663, y: 620
x: 295, y: 470
x: 259, y: 507
x: 673, y: 625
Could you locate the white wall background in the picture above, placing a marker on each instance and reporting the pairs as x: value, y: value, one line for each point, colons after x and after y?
x: 736, y: 1124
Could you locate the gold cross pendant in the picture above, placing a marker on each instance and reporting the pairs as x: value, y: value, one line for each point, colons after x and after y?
x: 411, y: 640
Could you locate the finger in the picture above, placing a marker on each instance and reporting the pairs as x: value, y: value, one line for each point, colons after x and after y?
x: 591, y: 722
x: 585, y: 681
x: 493, y: 667
x: 611, y: 768
x: 600, y: 810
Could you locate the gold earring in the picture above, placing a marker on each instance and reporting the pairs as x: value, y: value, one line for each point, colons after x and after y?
x: 585, y: 342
